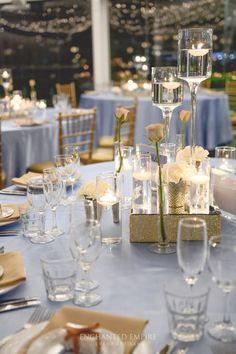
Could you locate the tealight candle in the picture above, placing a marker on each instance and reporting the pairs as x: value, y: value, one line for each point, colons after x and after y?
x: 109, y: 198
x: 199, y: 194
x: 171, y: 85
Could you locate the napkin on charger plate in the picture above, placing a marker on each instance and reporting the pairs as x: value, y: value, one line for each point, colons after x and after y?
x: 14, y: 216
x: 14, y: 270
x: 128, y: 328
x: 24, y: 179
x: 28, y: 122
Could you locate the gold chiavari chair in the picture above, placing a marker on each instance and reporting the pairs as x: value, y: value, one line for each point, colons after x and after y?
x: 2, y: 173
x: 69, y: 90
x: 77, y: 129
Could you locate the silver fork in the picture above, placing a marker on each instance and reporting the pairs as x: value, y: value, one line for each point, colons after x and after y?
x: 40, y: 314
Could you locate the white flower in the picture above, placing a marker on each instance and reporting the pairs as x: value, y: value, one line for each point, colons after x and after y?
x: 200, y: 154
x: 89, y: 189
x: 175, y: 172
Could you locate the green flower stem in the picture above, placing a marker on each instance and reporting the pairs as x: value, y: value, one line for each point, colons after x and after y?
x: 160, y: 192
x: 119, y: 149
x: 182, y: 132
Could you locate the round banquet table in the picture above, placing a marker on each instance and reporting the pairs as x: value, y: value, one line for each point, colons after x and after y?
x: 23, y: 146
x: 131, y: 280
x: 213, y: 126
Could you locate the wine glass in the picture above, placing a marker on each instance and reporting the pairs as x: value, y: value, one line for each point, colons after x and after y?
x: 64, y: 165
x: 82, y: 209
x: 52, y: 186
x: 222, y: 265
x: 85, y: 245
x: 192, y: 248
x: 74, y: 151
x: 36, y: 197
x: 167, y: 92
x: 194, y: 65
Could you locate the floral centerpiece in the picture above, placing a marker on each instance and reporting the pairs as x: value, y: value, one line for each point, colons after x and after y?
x: 200, y: 154
x: 177, y: 175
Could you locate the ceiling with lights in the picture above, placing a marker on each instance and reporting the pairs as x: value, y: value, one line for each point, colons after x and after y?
x: 137, y: 17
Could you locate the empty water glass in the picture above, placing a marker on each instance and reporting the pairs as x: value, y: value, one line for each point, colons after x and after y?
x: 186, y: 310
x: 30, y: 221
x: 59, y: 276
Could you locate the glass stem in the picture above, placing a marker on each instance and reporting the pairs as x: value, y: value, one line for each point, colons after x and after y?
x: 167, y: 118
x: 226, y: 318
x: 54, y: 219
x: 41, y: 224
x: 193, y: 89
x: 63, y: 190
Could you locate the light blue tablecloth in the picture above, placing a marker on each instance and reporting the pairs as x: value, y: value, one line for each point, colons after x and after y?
x: 22, y: 146
x: 131, y: 281
x: 213, y: 124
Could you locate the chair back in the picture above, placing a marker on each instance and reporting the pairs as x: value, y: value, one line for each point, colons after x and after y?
x: 77, y: 129
x: 128, y: 128
x: 230, y: 89
x: 2, y: 173
x: 69, y: 90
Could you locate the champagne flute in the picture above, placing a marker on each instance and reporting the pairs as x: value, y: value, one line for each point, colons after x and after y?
x: 192, y: 248
x: 64, y: 165
x: 222, y: 265
x: 36, y: 197
x: 83, y: 209
x: 74, y: 151
x: 85, y: 245
x: 52, y: 186
x: 167, y: 92
x: 194, y: 65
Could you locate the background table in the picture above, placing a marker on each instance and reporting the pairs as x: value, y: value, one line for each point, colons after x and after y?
x: 131, y: 280
x: 213, y: 126
x: 23, y: 146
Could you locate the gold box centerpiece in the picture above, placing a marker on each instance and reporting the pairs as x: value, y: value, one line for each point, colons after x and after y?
x: 145, y: 227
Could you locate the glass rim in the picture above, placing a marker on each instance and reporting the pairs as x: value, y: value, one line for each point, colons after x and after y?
x: 192, y: 221
x: 106, y: 173
x: 62, y: 156
x: 229, y: 239
x: 202, y: 293
x: 47, y: 259
x: 196, y: 29
x: 232, y: 148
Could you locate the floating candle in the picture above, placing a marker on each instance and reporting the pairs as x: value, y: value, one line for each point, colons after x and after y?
x: 109, y: 198
x: 171, y: 85
x: 142, y: 176
x: 200, y: 179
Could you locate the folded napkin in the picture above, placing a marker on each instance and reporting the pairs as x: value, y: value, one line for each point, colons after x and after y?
x: 12, y: 217
x: 28, y: 122
x: 128, y: 328
x: 24, y: 179
x: 14, y: 271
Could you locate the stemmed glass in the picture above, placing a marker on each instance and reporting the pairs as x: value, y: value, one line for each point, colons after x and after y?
x: 85, y: 246
x: 74, y: 151
x: 222, y: 265
x: 36, y: 197
x: 64, y: 165
x: 80, y: 209
x: 52, y: 186
x: 167, y: 92
x: 194, y: 65
x: 192, y: 248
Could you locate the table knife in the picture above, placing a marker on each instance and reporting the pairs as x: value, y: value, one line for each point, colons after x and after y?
x: 18, y: 304
x: 12, y: 192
